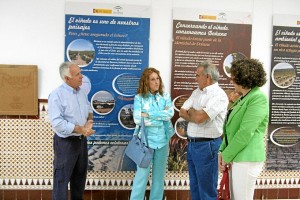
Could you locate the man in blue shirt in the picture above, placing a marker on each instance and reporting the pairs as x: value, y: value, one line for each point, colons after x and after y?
x: 71, y: 118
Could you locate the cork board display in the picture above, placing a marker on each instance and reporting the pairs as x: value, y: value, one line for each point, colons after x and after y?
x: 18, y: 89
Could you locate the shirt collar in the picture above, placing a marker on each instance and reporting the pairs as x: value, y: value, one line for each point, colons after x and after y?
x: 153, y: 95
x: 70, y: 89
x: 209, y: 88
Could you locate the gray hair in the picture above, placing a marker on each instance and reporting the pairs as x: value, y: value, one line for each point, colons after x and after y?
x: 64, y: 70
x: 210, y: 69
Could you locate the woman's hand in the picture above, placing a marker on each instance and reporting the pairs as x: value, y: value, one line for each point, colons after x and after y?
x: 222, y: 164
x: 144, y: 114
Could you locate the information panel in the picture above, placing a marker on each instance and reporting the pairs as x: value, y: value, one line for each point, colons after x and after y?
x: 199, y: 35
x: 111, y: 45
x: 284, y: 127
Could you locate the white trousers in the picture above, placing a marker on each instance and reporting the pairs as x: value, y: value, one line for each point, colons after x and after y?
x: 243, y: 176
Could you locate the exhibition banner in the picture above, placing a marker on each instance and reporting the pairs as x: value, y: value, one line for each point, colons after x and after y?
x: 110, y: 43
x: 198, y: 35
x: 283, y: 149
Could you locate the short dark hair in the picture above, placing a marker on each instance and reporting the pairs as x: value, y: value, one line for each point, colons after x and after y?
x: 248, y: 73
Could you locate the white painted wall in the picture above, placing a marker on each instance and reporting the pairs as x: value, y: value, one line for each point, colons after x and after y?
x: 32, y: 32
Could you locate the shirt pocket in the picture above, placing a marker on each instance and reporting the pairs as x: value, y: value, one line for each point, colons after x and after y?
x: 68, y: 108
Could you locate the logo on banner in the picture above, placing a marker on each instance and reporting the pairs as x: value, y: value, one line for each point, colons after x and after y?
x: 209, y: 17
x: 118, y: 10
x: 101, y: 10
x: 222, y: 16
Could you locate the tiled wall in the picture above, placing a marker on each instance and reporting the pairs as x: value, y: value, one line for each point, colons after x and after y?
x: 26, y: 168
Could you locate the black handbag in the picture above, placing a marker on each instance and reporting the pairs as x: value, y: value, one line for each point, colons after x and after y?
x: 137, y: 150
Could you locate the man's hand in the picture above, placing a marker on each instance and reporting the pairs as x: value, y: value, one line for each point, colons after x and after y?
x: 87, y: 129
x: 89, y: 124
x: 184, y: 114
x: 198, y: 116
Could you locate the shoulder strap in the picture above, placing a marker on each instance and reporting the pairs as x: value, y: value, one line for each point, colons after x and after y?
x: 144, y: 131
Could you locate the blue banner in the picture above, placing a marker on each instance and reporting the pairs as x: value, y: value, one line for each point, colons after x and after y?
x: 112, y: 53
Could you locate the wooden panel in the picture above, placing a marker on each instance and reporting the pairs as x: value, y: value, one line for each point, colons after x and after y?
x: 283, y: 193
x: 9, y: 194
x: 171, y: 194
x: 87, y: 195
x: 19, y: 90
x: 1, y: 195
x: 272, y: 194
x: 97, y: 194
x: 110, y: 194
x: 291, y: 193
x: 258, y: 194
x: 123, y: 194
x: 35, y: 194
x: 46, y: 195
x: 22, y: 195
x: 294, y: 193
x: 183, y: 194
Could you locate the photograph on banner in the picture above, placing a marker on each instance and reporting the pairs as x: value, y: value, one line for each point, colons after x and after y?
x: 200, y: 35
x: 110, y: 43
x: 283, y: 148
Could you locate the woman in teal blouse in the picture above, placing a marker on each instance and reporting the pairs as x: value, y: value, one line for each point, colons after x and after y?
x: 243, y: 146
x: 156, y: 107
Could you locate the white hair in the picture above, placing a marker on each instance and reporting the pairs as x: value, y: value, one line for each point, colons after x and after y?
x: 64, y: 70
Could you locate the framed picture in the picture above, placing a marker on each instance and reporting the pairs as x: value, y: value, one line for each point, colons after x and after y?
x: 19, y: 90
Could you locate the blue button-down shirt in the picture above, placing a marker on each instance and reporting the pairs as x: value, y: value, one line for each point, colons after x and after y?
x: 155, y: 106
x: 66, y: 108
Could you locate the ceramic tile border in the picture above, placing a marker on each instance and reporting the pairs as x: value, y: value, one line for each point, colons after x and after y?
x: 26, y: 162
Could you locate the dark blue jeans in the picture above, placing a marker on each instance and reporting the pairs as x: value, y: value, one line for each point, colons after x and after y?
x: 70, y: 165
x: 202, y: 160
